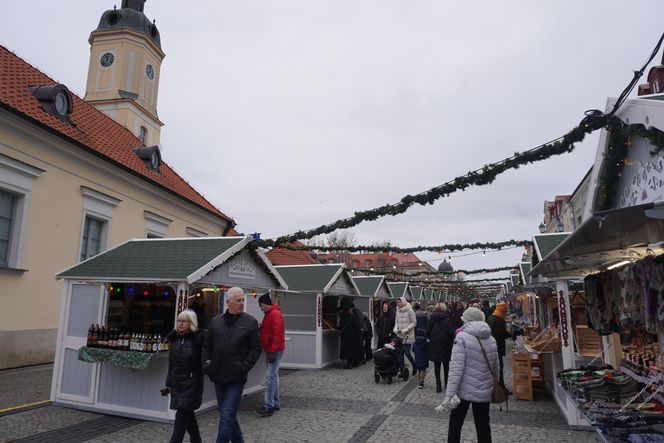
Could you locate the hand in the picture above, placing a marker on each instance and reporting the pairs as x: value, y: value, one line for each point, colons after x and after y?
x: 271, y: 357
x: 165, y: 391
x: 446, y: 402
x: 399, y: 331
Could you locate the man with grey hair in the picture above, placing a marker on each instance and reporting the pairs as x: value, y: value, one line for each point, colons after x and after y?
x: 232, y: 347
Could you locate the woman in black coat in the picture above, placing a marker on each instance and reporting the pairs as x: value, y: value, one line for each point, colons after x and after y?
x: 185, y: 376
x: 384, y: 324
x: 350, y: 330
x: 441, y: 330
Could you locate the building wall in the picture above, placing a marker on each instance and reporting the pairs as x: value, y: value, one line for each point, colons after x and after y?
x: 53, y: 229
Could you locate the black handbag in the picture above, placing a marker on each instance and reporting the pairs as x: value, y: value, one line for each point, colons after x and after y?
x: 499, y: 394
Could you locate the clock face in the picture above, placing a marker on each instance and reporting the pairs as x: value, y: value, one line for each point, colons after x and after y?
x: 149, y: 71
x: 154, y: 161
x: 107, y: 60
x: 61, y: 103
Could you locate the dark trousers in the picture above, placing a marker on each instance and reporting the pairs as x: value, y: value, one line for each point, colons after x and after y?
x: 367, y: 348
x: 436, y: 370
x: 500, y: 361
x: 185, y: 421
x: 481, y: 416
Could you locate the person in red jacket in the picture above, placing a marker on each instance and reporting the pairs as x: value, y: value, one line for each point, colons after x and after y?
x: 273, y: 339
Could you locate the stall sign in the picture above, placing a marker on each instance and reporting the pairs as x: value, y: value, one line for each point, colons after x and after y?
x: 242, y: 268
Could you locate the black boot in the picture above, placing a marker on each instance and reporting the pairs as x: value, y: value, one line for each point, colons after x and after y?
x: 439, y: 387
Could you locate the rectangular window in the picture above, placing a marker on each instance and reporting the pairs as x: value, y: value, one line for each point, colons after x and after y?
x: 143, y: 135
x: 7, y: 218
x: 92, y: 235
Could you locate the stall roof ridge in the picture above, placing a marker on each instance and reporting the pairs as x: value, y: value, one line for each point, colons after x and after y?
x: 312, y: 277
x: 546, y: 243
x: 368, y: 284
x: 169, y: 259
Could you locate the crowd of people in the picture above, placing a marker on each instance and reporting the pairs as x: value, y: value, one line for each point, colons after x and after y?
x: 469, y: 345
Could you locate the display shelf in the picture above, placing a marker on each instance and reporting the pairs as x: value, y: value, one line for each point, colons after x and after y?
x: 526, y: 368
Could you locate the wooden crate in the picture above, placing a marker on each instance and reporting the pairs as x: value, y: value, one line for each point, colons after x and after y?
x: 589, y: 341
x: 521, y: 376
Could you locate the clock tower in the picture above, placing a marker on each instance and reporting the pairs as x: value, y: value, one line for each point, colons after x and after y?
x: 123, y: 75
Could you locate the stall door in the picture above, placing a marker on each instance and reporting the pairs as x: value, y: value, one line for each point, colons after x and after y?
x: 76, y: 378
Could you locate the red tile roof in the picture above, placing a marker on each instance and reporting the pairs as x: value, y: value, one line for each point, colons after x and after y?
x: 89, y: 129
x: 283, y: 256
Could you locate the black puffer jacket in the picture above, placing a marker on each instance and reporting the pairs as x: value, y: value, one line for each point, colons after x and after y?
x: 384, y: 326
x: 233, y: 345
x: 185, y: 373
x: 440, y: 331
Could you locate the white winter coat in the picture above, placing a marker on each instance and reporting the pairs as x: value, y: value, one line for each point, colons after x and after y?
x: 405, y: 322
x: 469, y: 377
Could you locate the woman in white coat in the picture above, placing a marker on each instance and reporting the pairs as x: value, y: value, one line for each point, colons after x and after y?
x: 470, y: 378
x: 404, y: 328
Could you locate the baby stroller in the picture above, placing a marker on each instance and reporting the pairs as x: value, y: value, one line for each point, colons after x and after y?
x: 386, y: 362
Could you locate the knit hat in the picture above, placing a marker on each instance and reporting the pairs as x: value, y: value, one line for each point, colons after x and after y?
x: 472, y: 314
x: 500, y: 310
x: 265, y: 299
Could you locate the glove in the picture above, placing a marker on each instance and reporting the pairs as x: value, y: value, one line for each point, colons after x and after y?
x: 165, y: 391
x: 271, y: 357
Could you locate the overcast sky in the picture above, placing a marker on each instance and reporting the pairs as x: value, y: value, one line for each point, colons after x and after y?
x: 290, y: 114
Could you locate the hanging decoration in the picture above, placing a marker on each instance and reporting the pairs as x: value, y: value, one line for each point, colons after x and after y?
x: 394, y: 273
x: 386, y: 249
x: 485, y: 175
x: 563, y: 318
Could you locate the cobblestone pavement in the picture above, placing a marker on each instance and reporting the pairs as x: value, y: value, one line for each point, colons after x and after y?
x: 330, y: 405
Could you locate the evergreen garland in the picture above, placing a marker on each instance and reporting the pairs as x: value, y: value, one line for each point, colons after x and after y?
x: 385, y: 249
x: 394, y: 273
x: 487, y: 174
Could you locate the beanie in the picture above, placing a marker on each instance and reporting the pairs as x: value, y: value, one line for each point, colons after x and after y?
x: 472, y: 314
x: 265, y: 299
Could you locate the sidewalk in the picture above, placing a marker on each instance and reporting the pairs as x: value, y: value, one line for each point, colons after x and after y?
x: 331, y: 405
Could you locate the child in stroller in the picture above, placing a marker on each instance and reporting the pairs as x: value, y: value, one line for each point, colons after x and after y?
x: 386, y: 361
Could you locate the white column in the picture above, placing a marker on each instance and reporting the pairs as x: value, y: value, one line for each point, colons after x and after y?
x: 319, y: 330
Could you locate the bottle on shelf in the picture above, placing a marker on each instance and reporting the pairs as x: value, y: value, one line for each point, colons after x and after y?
x: 155, y: 343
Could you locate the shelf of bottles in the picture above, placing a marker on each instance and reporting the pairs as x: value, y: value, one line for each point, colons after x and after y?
x: 139, y: 318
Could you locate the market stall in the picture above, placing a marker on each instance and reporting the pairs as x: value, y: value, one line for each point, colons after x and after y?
x: 374, y: 287
x: 310, y: 312
x: 119, y: 305
x: 617, y: 253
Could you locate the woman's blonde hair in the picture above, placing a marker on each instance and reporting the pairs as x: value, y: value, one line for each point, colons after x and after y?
x: 190, y: 316
x: 441, y: 307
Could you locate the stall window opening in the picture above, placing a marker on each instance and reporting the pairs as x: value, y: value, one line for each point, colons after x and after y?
x: 141, y: 308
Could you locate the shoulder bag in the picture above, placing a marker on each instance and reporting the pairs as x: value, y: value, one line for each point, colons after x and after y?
x: 499, y: 394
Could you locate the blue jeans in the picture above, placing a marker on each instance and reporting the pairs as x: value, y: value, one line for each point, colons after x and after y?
x: 228, y: 399
x: 272, y: 382
x: 406, y: 351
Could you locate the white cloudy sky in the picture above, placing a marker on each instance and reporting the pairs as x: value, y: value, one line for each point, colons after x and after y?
x: 290, y: 114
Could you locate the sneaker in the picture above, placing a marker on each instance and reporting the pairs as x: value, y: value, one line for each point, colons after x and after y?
x: 421, y: 385
x: 264, y: 411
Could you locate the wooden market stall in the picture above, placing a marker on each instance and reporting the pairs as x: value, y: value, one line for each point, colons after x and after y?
x: 617, y: 254
x: 374, y: 287
x: 310, y: 312
x: 137, y: 289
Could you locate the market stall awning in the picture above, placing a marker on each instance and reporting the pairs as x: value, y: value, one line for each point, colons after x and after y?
x: 524, y: 268
x: 163, y: 259
x: 607, y: 238
x: 318, y: 278
x: 372, y: 286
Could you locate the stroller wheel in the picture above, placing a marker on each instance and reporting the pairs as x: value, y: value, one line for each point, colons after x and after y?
x: 377, y: 377
x: 389, y: 379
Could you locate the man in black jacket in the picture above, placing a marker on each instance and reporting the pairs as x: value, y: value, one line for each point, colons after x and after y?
x: 232, y: 347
